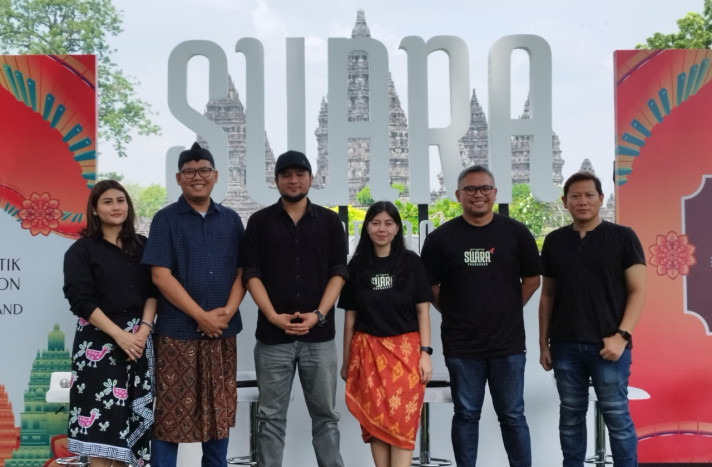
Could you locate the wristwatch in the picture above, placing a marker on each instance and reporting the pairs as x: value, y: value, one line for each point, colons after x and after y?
x: 626, y: 335
x: 320, y: 317
x: 427, y: 350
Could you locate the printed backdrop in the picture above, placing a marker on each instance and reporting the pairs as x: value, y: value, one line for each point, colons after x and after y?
x: 664, y: 192
x: 47, y: 167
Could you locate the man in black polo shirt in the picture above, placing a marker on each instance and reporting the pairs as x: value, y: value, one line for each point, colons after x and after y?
x: 294, y: 267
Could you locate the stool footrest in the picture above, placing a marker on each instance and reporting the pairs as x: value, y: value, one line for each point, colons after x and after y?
x: 595, y: 460
x: 80, y: 461
x: 432, y: 462
x: 241, y: 460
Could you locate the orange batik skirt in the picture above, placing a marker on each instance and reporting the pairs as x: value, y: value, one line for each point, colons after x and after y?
x: 383, y: 389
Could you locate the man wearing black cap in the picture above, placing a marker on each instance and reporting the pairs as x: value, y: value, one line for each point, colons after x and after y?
x: 294, y: 267
x: 193, y: 253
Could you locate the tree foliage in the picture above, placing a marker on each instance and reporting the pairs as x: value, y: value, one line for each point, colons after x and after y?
x: 540, y: 218
x: 363, y: 197
x: 150, y: 200
x: 147, y: 200
x: 81, y: 27
x: 527, y: 210
x: 442, y: 210
x: 695, y: 32
x: 355, y: 215
x: 110, y: 176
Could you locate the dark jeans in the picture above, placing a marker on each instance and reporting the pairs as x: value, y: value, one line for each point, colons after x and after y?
x: 165, y: 453
x: 505, y: 376
x: 574, y: 363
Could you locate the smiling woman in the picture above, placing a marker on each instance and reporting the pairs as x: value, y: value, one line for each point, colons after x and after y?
x: 112, y: 358
x: 386, y: 336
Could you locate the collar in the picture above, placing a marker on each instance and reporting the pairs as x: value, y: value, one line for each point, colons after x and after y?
x: 310, y: 209
x: 593, y: 230
x: 185, y: 208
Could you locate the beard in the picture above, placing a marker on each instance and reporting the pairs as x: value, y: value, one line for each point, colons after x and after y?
x: 294, y: 198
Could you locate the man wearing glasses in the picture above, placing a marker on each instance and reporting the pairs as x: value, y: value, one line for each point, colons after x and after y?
x: 483, y: 268
x: 193, y: 251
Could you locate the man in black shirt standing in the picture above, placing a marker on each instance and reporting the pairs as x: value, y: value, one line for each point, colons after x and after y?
x: 592, y: 296
x: 483, y: 268
x: 294, y: 268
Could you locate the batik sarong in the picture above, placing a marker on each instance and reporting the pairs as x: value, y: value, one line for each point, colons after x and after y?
x: 111, y: 397
x: 383, y: 389
x: 196, y: 389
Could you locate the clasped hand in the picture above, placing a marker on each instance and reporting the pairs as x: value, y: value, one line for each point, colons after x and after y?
x: 295, y: 324
x: 131, y: 343
x: 213, y: 322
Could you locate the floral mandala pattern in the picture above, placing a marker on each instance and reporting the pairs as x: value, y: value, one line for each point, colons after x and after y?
x: 672, y: 255
x: 40, y: 214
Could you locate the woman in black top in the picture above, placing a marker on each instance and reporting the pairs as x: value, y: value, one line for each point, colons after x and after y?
x: 386, y: 337
x: 111, y: 397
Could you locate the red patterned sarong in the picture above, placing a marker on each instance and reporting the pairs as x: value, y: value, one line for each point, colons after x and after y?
x: 196, y: 389
x: 383, y: 389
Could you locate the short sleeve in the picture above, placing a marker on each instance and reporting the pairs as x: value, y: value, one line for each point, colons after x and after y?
x: 157, y: 251
x: 422, y: 291
x: 429, y: 258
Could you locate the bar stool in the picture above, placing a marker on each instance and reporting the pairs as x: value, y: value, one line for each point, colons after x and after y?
x: 247, y: 392
x: 437, y: 390
x: 58, y: 393
x: 600, y: 457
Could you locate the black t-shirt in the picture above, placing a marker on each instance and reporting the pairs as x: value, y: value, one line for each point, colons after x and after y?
x: 479, y: 271
x: 383, y: 301
x: 590, y: 289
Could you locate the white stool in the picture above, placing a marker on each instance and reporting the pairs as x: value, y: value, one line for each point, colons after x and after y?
x: 247, y: 392
x: 600, y: 457
x: 58, y: 393
x: 437, y: 390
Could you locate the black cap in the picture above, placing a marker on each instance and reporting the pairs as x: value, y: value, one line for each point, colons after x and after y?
x: 195, y: 153
x: 292, y: 159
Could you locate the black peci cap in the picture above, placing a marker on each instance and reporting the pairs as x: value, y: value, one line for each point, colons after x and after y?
x: 195, y: 153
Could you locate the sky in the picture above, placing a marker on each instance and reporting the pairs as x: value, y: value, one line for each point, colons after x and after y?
x: 582, y: 35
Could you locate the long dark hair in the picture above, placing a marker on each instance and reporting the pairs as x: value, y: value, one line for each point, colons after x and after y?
x: 127, y: 234
x: 364, y: 255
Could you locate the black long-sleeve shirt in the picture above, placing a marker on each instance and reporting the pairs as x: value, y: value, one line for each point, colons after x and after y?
x: 294, y: 262
x: 98, y: 274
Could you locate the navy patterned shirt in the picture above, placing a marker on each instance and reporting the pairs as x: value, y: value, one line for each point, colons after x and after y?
x: 202, y: 254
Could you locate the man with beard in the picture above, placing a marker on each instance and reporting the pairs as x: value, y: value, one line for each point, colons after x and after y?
x: 294, y: 268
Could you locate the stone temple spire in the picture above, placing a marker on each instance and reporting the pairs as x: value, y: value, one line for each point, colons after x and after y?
x: 474, y: 145
x: 360, y: 28
x: 520, y: 154
x: 587, y: 166
x: 229, y: 113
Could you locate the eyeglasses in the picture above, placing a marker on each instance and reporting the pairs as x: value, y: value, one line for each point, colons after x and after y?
x: 203, y: 171
x: 472, y: 190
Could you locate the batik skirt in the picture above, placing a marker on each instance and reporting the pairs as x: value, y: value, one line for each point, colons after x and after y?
x: 196, y: 389
x: 111, y: 398
x: 383, y: 389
